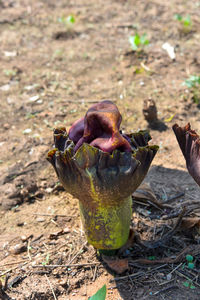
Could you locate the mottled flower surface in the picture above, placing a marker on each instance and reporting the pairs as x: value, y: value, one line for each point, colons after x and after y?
x: 102, y: 168
x: 189, y: 142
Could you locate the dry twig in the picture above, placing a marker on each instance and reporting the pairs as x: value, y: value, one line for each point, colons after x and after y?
x: 49, y: 282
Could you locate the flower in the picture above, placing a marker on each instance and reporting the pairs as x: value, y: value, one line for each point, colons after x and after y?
x: 189, y: 142
x: 101, y: 167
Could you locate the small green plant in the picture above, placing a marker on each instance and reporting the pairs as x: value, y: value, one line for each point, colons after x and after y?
x: 185, y: 21
x: 46, y: 262
x: 67, y: 21
x: 189, y: 258
x: 193, y: 84
x: 185, y: 24
x: 151, y: 257
x: 138, y: 42
x: 100, y: 294
x: 10, y: 73
x: 190, y: 262
x: 189, y: 284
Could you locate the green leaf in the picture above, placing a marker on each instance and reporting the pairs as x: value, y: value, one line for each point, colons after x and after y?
x: 190, y: 265
x: 144, y: 40
x: 192, y: 287
x: 71, y: 19
x: 186, y: 283
x: 151, y: 257
x: 189, y: 258
x: 178, y: 17
x: 193, y: 81
x: 133, y: 40
x: 67, y: 20
x: 137, y: 39
x: 187, y: 21
x: 100, y: 294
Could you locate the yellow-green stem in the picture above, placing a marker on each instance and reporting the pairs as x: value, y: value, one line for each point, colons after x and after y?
x: 107, y: 227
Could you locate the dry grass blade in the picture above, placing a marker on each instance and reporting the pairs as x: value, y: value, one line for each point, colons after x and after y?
x: 67, y: 265
x: 49, y: 282
x: 145, y: 194
x: 193, y: 250
x: 164, y: 239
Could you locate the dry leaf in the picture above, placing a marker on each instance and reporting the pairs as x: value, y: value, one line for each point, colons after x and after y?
x: 145, y: 194
x: 119, y: 266
x: 190, y: 226
x: 55, y: 235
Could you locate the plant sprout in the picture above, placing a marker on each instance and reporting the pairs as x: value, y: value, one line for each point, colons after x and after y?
x: 193, y: 84
x: 138, y: 41
x: 102, y: 167
x: 46, y: 262
x: 185, y: 21
x: 67, y: 21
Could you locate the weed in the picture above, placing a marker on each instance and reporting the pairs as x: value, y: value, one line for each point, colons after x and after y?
x: 190, y: 262
x: 185, y: 23
x: 10, y: 73
x: 189, y: 284
x: 138, y: 42
x: 67, y: 21
x: 46, y: 262
x: 189, y: 258
x: 193, y: 84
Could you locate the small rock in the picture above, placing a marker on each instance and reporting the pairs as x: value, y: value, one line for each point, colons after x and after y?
x: 63, y: 282
x: 10, y: 53
x: 6, y: 126
x: 170, y: 50
x: 27, y: 130
x: 24, y: 238
x: 34, y: 98
x: 49, y: 190
x: 40, y: 219
x: 5, y: 87
x: 17, y: 249
x: 169, y: 276
x: 66, y: 230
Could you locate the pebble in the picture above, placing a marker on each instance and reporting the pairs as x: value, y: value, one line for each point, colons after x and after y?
x: 6, y: 126
x: 49, y: 190
x: 40, y: 219
x: 169, y: 276
x: 17, y: 249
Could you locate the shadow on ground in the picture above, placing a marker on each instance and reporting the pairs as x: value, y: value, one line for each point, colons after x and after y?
x: 152, y: 281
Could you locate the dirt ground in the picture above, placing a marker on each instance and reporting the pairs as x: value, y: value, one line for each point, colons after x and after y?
x: 51, y: 72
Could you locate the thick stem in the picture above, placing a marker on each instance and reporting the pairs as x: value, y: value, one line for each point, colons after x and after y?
x: 107, y: 228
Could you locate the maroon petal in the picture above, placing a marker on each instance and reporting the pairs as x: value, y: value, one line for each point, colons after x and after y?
x: 189, y: 142
x: 76, y: 130
x: 100, y: 129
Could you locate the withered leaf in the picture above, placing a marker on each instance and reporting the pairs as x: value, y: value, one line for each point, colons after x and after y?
x: 119, y: 266
x: 145, y: 194
x: 191, y: 225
